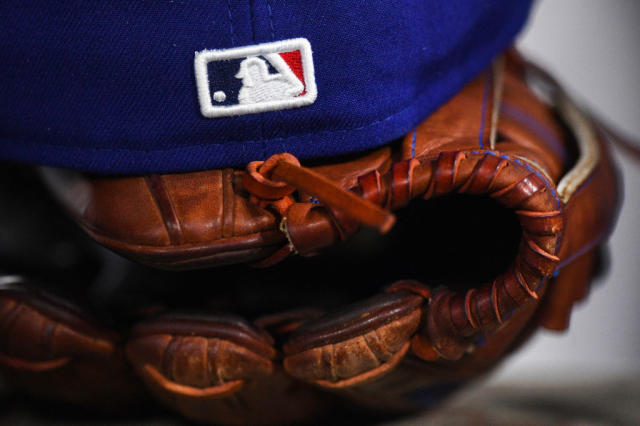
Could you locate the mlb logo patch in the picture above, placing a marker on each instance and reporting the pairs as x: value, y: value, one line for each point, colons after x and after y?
x: 258, y: 78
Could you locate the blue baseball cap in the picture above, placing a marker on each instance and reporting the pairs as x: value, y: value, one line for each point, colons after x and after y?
x: 132, y: 87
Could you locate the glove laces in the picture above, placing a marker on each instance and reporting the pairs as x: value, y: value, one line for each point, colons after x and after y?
x: 272, y: 182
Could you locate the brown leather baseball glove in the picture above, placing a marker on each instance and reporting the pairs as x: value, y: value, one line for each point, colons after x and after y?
x: 500, y: 199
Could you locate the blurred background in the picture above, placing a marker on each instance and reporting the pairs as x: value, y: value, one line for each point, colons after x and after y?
x: 591, y: 373
x: 593, y: 48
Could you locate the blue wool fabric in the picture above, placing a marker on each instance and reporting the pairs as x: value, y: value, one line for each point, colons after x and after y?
x: 110, y: 87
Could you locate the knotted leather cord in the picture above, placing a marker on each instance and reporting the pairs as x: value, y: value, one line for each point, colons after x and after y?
x: 274, y: 180
x: 337, y: 197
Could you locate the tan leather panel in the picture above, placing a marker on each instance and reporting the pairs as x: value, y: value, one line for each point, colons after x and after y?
x: 197, y: 199
x: 124, y: 209
x: 460, y: 119
x: 528, y: 122
x: 459, y: 125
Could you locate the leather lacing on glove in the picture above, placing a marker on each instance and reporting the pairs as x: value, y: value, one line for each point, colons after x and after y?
x: 454, y: 319
x: 465, y: 315
x: 272, y: 183
x: 255, y: 365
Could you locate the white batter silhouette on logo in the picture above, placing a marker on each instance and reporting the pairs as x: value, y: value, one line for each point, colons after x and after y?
x: 272, y: 76
x: 258, y: 85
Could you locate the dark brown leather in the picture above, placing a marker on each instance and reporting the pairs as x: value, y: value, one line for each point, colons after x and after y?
x: 547, y: 165
x: 51, y: 348
x: 208, y: 364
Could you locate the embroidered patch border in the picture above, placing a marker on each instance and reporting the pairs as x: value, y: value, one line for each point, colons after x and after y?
x: 305, y: 92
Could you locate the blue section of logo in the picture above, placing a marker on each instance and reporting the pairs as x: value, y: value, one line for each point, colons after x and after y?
x: 222, y: 78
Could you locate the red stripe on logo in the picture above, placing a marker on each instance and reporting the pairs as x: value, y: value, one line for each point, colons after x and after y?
x: 294, y: 60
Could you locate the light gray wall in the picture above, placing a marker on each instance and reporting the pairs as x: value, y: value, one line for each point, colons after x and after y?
x: 593, y: 48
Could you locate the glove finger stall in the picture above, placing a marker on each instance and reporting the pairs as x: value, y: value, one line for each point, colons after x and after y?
x: 48, y: 347
x: 355, y: 344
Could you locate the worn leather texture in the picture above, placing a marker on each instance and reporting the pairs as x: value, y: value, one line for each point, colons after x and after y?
x: 502, y: 200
